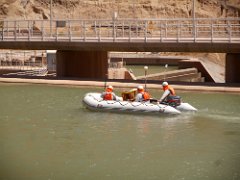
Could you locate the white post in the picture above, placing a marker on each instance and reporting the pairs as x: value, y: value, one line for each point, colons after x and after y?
x: 166, y: 66
x: 145, y: 68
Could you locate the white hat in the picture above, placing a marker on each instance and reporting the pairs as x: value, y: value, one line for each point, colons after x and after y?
x: 140, y: 87
x: 164, y: 83
x: 110, y: 87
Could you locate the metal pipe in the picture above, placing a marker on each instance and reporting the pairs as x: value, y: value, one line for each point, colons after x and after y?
x: 194, y: 20
x: 193, y: 10
x: 51, y: 18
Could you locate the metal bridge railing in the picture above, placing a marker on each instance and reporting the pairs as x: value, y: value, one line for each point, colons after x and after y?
x: 124, y: 30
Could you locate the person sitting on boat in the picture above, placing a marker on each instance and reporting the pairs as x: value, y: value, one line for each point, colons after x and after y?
x: 109, y: 94
x: 168, y: 91
x: 142, y: 95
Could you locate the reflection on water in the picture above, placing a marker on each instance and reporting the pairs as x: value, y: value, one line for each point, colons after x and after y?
x: 46, y: 133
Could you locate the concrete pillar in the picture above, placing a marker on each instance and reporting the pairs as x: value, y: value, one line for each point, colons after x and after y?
x: 233, y: 68
x: 82, y: 64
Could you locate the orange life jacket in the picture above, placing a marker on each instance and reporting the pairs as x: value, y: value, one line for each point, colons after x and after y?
x: 146, y: 96
x: 172, y: 92
x: 108, y: 95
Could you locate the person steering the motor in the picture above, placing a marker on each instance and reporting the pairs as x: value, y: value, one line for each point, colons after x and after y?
x: 168, y: 92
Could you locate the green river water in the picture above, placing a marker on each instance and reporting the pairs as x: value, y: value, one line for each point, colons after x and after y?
x: 46, y: 133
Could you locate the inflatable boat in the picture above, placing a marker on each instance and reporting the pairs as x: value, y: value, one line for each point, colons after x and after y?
x: 94, y: 101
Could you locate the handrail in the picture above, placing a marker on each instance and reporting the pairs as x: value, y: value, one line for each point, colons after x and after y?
x: 210, y: 30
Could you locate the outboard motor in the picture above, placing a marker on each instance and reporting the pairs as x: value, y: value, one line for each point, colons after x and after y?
x: 172, y: 101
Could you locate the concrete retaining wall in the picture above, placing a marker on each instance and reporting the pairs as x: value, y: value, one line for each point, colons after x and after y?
x: 147, y: 61
x: 199, y: 66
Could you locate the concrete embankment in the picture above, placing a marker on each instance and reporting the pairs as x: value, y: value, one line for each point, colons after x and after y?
x: 210, y: 72
x: 91, y: 84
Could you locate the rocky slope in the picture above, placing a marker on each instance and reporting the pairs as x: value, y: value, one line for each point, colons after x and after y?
x: 40, y: 9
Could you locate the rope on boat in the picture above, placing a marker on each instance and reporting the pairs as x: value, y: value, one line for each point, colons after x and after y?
x: 122, y: 104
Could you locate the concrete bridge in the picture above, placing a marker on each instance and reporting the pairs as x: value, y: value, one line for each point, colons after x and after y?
x: 83, y: 45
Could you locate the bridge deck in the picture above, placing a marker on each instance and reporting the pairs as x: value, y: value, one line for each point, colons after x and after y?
x: 200, y: 35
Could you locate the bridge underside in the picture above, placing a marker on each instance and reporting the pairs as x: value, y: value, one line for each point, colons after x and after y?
x: 94, y: 65
x: 125, y: 46
x: 90, y: 60
x: 233, y: 68
x: 83, y: 64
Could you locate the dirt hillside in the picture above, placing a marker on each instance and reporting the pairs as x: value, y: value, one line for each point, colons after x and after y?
x: 40, y: 9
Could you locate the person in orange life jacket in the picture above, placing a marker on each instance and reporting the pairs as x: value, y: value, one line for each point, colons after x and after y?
x: 142, y: 95
x: 168, y: 91
x: 109, y: 94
